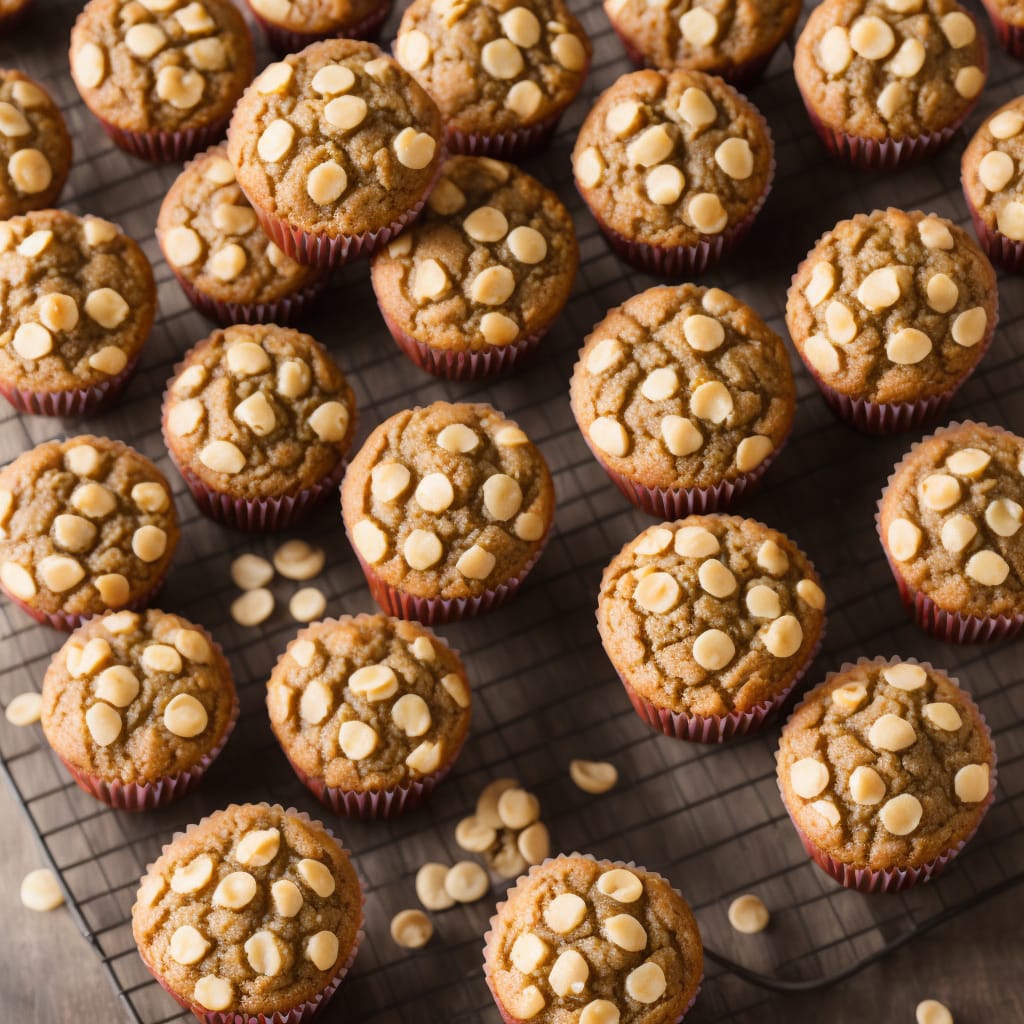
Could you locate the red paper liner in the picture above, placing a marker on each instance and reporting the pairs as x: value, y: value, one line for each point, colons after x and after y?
x: 283, y: 40
x: 296, y: 1014
x: 283, y: 311
x: 74, y: 401
x: 1010, y: 37
x: 511, y: 145
x: 166, y: 147
x: 1002, y: 251
x: 460, y: 364
x: 952, y: 626
x: 889, y: 880
x: 489, y: 936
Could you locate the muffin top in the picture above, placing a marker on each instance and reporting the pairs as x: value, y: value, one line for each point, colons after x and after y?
x: 35, y: 148
x: 253, y: 910
x: 161, y: 65
x: 77, y: 301
x: 88, y: 525
x: 369, y: 702
x: 990, y: 170
x: 683, y: 386
x: 494, y: 66
x: 710, y: 614
x: 210, y: 236
x: 596, y: 941
x: 137, y: 696
x: 491, y: 261
x: 448, y: 500
x: 890, y: 68
x: 886, y: 764
x: 259, y: 411
x: 671, y: 158
x: 315, y: 17
x: 893, y: 306
x: 336, y: 139
x: 952, y: 515
x: 719, y: 37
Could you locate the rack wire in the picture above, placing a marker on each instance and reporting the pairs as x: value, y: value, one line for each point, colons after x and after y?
x: 709, y: 818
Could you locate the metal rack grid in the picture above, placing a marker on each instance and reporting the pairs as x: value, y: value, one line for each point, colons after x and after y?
x: 709, y: 818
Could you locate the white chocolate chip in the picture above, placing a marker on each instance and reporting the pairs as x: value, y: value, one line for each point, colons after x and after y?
x: 568, y: 974
x: 414, y: 149
x: 748, y: 914
x: 357, y: 740
x: 866, y: 786
x: 411, y: 929
x: 32, y: 341
x: 735, y: 158
x: 374, y: 683
x: 834, y: 50
x: 752, y: 451
x: 821, y: 284
x: 24, y: 709
x: 957, y: 532
x: 40, y: 890
x: 264, y: 955
x: 703, y: 333
x: 569, y: 51
x: 589, y: 168
x: 713, y: 650
x: 103, y: 723
x: 942, y: 715
x: 971, y: 783
x: 600, y: 1011
x: 716, y: 579
x: 696, y: 542
x: 497, y: 328
x: 430, y: 281
x: 935, y: 233
x: 113, y: 589
x: 89, y: 64
x: 850, y: 696
x: 348, y: 112
x: 565, y: 912
x: 880, y: 289
x: 987, y: 568
x: 651, y: 147
x: 144, y: 40
x: 222, y: 457
x: 784, y: 637
x: 808, y: 777
x: 871, y: 38
x: 527, y: 245
x: 330, y: 421
x: 389, y: 481
x: 711, y: 401
x: 696, y: 108
x: 370, y: 541
x: 181, y: 88
x: 412, y: 50
x: 902, y: 814
x: 664, y: 184
x: 253, y: 607
x: 699, y: 27
x: 187, y: 945
x: 931, y: 1011
x: 493, y: 286
x: 191, y: 877
x: 503, y: 497
x: 680, y: 435
x: 908, y: 346
x: 58, y: 312
x: 466, y: 882
x: 332, y: 80
x: 107, y: 307
x: 517, y: 808
x: 276, y: 141
x: 939, y: 491
x: 904, y: 539
x: 149, y: 543
x: 307, y: 604
x: 1006, y: 124
x: 905, y: 676
x: 892, y: 99
x: 908, y: 59
x: 763, y: 602
x: 969, y: 82
x: 890, y: 732
x: 1004, y: 517
x: 969, y: 327
x: 275, y: 78
x: 609, y: 435
x: 411, y: 714
x: 593, y: 776
x: 707, y: 213
x: 434, y: 493
x: 996, y: 170
x: 60, y: 573
x: 529, y: 951
x: 657, y: 593
x: 626, y: 932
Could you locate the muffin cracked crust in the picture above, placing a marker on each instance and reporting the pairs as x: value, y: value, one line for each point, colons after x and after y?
x: 336, y: 148
x: 886, y: 766
x: 35, y: 147
x: 950, y: 522
x: 367, y: 705
x: 595, y: 941
x: 710, y: 616
x: 88, y: 525
x: 255, y: 910
x: 683, y: 389
x: 502, y: 71
x: 486, y: 269
x: 291, y: 25
x: 78, y: 302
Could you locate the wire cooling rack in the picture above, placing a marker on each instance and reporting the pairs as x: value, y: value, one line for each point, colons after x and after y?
x: 708, y: 818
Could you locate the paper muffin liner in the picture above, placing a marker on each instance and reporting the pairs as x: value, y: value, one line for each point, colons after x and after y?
x: 283, y: 40
x: 284, y: 311
x: 432, y: 611
x: 1010, y: 37
x: 489, y: 935
x: 166, y: 147
x: 951, y: 626
x: 296, y: 1014
x: 68, y: 622
x: 511, y: 145
x: 1002, y: 251
x: 452, y: 364
x: 72, y: 401
x: 894, y: 879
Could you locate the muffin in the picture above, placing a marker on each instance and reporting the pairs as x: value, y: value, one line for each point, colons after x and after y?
x: 336, y: 148
x: 886, y: 768
x: 674, y: 166
x: 11, y: 13
x: 950, y: 523
x: 887, y: 84
x: 258, y: 420
x: 226, y: 265
x: 254, y: 913
x: 988, y: 171
x: 448, y: 507
x: 710, y: 622
x: 891, y: 312
x: 596, y: 941
x: 502, y: 72
x: 475, y: 284
x: 35, y: 147
x: 370, y: 711
x: 685, y: 397
x: 79, y: 303
x: 137, y: 705
x: 87, y: 526
x: 161, y: 78
x: 1007, y: 18
x: 734, y: 41
x: 290, y: 26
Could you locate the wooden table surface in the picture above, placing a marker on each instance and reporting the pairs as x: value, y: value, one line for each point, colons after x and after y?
x: 49, y: 974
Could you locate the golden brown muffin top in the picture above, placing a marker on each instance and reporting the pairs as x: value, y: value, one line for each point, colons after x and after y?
x: 252, y: 910
x: 448, y: 500
x: 88, y: 525
x: 494, y: 66
x: 77, y: 301
x: 710, y: 614
x: 259, y: 411
x: 887, y: 764
x: 594, y: 941
x: 890, y: 68
x: 951, y: 518
x: 671, y: 158
x: 990, y: 170
x: 683, y: 386
x: 369, y: 702
x: 315, y: 17
x: 161, y: 65
x: 893, y: 306
x: 135, y: 696
x: 336, y: 139
x: 491, y: 261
